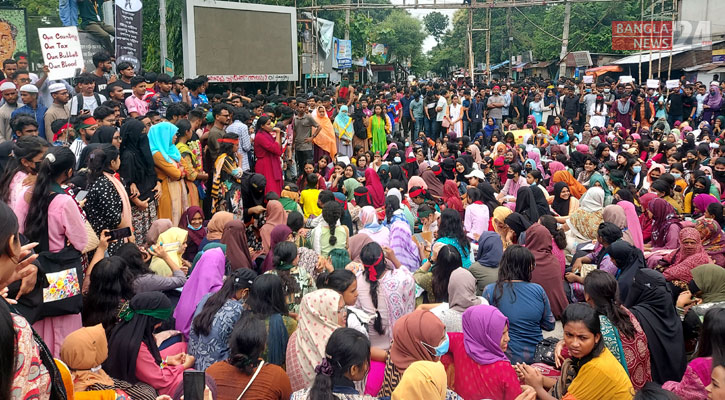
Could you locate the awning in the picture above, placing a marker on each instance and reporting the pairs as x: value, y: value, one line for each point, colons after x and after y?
x: 702, y: 67
x: 656, y: 55
x: 499, y: 65
x: 602, y: 70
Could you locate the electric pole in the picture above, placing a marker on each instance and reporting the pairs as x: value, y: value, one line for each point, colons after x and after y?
x: 564, y: 39
x: 162, y: 34
x: 347, y: 21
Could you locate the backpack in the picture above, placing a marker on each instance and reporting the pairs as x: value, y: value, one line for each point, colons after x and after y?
x: 79, y: 96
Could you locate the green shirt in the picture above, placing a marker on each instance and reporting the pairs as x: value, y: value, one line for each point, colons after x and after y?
x: 90, y: 11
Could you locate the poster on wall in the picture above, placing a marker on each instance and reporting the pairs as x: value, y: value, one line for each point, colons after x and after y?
x: 62, y: 51
x: 129, y: 23
x: 342, y: 49
x: 379, y: 49
x: 13, y: 32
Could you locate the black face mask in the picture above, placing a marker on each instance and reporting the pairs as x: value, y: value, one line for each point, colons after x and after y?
x: 510, y: 176
x: 719, y: 175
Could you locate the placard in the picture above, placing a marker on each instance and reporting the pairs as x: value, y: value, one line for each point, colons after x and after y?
x: 129, y: 24
x: 62, y: 52
x: 520, y: 133
x: 653, y: 83
x: 588, y: 79
x: 626, y: 79
x: 672, y: 83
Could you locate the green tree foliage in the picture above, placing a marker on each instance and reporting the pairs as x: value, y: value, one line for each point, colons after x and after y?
x: 436, y: 24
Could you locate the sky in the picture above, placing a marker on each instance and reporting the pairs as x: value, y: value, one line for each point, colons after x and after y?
x: 430, y: 42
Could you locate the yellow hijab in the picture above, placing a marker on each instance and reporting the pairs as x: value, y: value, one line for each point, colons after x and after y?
x: 171, y: 236
x: 499, y: 214
x: 422, y: 380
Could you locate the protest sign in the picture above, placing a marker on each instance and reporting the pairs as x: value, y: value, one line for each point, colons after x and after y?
x: 520, y: 133
x: 672, y: 83
x: 653, y: 83
x: 62, y: 52
x: 626, y: 79
x: 129, y: 25
x: 588, y: 79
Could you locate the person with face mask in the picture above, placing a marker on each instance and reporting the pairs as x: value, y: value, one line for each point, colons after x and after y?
x: 711, y: 104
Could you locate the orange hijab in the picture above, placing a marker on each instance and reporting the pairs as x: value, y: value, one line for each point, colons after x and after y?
x: 577, y: 189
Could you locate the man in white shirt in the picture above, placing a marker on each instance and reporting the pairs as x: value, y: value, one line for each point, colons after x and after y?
x: 85, y: 102
x: 441, y: 106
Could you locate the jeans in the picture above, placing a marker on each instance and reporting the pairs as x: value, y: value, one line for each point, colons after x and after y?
x: 102, y: 33
x: 418, y: 126
x: 465, y: 132
x: 428, y: 126
x: 68, y: 10
x: 303, y: 156
x: 672, y: 118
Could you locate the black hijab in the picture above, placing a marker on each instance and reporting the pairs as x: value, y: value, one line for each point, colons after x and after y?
x: 461, y: 177
x: 252, y: 188
x: 526, y: 204
x: 650, y: 300
x: 629, y: 260
x: 396, y: 174
x: 489, y: 196
x: 560, y: 205
x: 104, y: 134
x: 86, y: 154
x: 137, y: 163
x: 449, y: 165
x: 518, y: 223
x: 542, y: 206
x: 144, y: 311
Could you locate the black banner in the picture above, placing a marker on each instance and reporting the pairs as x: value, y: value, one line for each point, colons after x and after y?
x: 129, y: 23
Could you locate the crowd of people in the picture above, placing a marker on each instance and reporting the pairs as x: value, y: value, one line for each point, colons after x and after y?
x: 438, y: 240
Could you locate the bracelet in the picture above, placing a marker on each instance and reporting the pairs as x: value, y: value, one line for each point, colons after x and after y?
x: 424, y: 261
x: 164, y: 363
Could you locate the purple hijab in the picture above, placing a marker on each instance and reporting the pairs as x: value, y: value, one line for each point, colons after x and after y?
x: 280, y: 233
x: 482, y: 330
x: 207, y: 277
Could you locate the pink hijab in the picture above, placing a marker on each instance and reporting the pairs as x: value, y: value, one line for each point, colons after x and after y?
x: 635, y: 229
x: 417, y: 181
x: 554, y: 167
x: 372, y: 182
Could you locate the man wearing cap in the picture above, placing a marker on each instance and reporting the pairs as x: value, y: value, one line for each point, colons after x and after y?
x: 10, y: 96
x: 86, y: 129
x: 29, y: 97
x: 57, y: 110
x: 495, y: 105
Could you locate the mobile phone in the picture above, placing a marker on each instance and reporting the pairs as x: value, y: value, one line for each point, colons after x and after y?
x: 118, y: 234
x: 173, y: 246
x: 81, y: 195
x: 194, y: 384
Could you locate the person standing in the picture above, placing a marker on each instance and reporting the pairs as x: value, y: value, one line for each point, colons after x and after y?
x: 91, y: 12
x: 86, y: 101
x: 221, y: 115
x: 29, y: 96
x: 416, y: 113
x: 268, y: 149
x: 102, y: 62
x: 406, y: 124
x: 570, y: 106
x: 57, y: 110
x: 10, y: 95
x: 441, y: 109
x: 495, y: 104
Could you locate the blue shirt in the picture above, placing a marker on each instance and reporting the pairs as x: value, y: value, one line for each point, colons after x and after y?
x: 176, y: 98
x: 38, y: 114
x: 405, y: 102
x: 215, y: 347
x: 526, y: 306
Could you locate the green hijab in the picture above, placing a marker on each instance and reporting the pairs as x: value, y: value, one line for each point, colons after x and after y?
x: 710, y: 278
x: 350, y: 185
x: 597, y: 177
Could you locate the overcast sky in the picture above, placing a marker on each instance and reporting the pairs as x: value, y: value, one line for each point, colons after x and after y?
x: 429, y: 42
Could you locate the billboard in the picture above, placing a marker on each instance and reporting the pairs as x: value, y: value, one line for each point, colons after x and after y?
x: 13, y: 35
x: 239, y: 42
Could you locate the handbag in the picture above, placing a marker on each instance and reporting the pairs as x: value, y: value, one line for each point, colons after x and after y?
x: 446, y: 122
x: 93, y: 240
x: 546, y: 351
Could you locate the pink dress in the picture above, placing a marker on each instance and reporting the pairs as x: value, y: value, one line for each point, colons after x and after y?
x: 268, y: 153
x: 164, y: 380
x: 16, y: 200
x: 693, y: 383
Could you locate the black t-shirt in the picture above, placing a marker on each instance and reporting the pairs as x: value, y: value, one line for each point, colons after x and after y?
x: 100, y: 83
x: 688, y: 103
x: 676, y: 104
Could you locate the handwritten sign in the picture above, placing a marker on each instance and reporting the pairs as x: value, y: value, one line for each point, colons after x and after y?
x: 587, y: 79
x: 653, y: 83
x: 672, y: 83
x: 626, y: 79
x: 62, y: 52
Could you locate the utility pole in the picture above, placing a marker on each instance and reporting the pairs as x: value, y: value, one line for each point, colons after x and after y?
x: 162, y: 33
x: 510, y: 40
x: 488, y: 44
x: 470, y: 43
x: 564, y: 39
x: 347, y: 21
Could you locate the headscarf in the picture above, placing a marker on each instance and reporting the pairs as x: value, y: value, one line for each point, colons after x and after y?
x: 710, y: 278
x: 629, y: 260
x: 655, y: 166
x: 144, y: 311
x: 490, y: 249
x: 682, y: 261
x: 712, y: 236
x: 215, y: 228
x: 560, y: 205
x: 377, y: 193
x: 410, y: 332
x: 104, y: 135
x: 702, y: 200
x: 714, y: 101
x: 350, y: 185
x: 518, y: 223
x: 500, y: 214
x: 547, y: 270
x: 384, y: 174
x: 452, y: 197
x: 536, y: 156
x: 276, y: 215
x: 252, y: 188
x: 483, y: 327
x: 488, y: 129
x: 526, y: 205
x: 562, y: 137
x: 489, y: 196
x: 137, y: 162
x: 422, y: 380
x: 462, y: 290
x: 615, y: 214
x: 235, y: 237
x: 663, y: 215
x: 196, y: 236
x: 343, y: 124
x: 476, y: 153
x: 83, y: 351
x: 317, y: 321
x: 644, y: 220
x: 279, y: 233
x: 356, y: 244
x: 325, y: 140
x: 207, y: 277
x: 171, y: 235
x: 584, y: 222
x: 157, y: 228
x: 396, y: 173
x: 633, y: 226
x: 161, y: 137
x: 576, y: 188
x: 417, y: 181
x: 598, y: 178
x: 651, y: 303
x: 435, y: 186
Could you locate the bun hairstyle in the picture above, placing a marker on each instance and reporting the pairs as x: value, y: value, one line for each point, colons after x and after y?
x: 338, y: 280
x: 100, y: 161
x: 345, y: 349
x: 373, y: 261
x: 237, y: 280
x: 247, y: 343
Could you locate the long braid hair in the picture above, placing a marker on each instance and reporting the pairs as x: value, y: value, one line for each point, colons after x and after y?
x: 373, y: 260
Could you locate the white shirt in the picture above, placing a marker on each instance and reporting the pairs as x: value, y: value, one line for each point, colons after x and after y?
x: 89, y: 103
x: 442, y: 104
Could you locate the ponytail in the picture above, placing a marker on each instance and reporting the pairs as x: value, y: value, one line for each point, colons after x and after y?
x: 345, y: 349
x: 392, y: 204
x: 373, y: 261
x: 602, y: 289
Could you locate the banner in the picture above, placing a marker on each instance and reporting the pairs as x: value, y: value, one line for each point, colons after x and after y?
x: 129, y: 23
x: 62, y: 52
x: 342, y: 49
x: 379, y: 49
x: 13, y: 33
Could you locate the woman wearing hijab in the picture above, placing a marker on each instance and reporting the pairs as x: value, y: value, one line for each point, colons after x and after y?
x: 677, y: 266
x: 193, y: 221
x: 84, y: 352
x: 482, y: 369
x: 547, y: 271
x: 137, y: 171
x: 174, y: 242
x: 384, y: 174
x: 633, y: 225
x: 104, y: 135
x: 517, y: 224
x: 276, y: 216
x: 344, y: 132
x: 645, y: 221
x: 597, y: 180
x: 485, y: 269
x: 526, y: 204
x: 452, y: 197
x: 564, y: 204
x: 461, y: 296
x: 650, y: 301
x: 435, y: 186
x: 173, y: 199
x: 133, y: 354
x: 215, y: 228
x: 584, y: 222
x: 372, y: 228
x: 235, y: 238
x: 321, y: 312
x: 576, y: 188
x: 417, y: 336
x: 157, y: 228
x: 628, y: 259
x: 711, y: 106
x: 666, y: 224
x: 375, y: 188
x: 424, y: 380
x: 207, y: 277
x: 499, y: 224
x: 554, y: 167
x: 615, y: 214
x: 713, y: 239
x: 397, y: 174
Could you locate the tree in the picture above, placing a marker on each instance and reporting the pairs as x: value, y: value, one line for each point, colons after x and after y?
x: 436, y: 24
